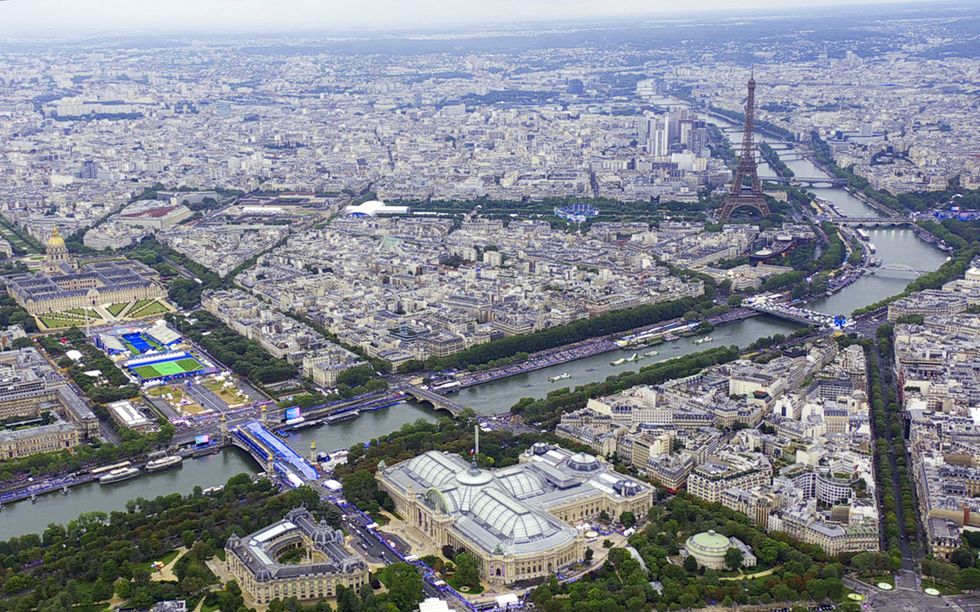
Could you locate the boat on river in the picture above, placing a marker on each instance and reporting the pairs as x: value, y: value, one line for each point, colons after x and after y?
x: 119, y: 475
x: 164, y: 463
x: 343, y: 416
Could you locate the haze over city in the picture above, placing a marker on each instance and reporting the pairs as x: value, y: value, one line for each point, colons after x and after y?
x: 34, y: 17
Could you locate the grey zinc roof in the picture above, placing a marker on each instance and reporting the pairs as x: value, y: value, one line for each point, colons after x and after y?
x: 505, y: 508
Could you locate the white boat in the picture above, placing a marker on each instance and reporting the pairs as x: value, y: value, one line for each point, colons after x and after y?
x: 617, y: 362
x: 703, y: 340
x: 633, y: 357
x: 651, y: 353
x: 562, y: 376
x: 164, y: 463
x: 119, y: 475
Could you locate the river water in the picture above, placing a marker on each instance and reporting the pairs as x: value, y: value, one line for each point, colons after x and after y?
x: 895, y: 246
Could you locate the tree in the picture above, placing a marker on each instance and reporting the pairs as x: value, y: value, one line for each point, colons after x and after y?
x: 734, y: 558
x: 627, y: 519
x: 467, y: 570
x: 405, y: 587
x: 361, y: 490
x: 188, y: 538
x: 863, y: 561
x: 963, y: 557
x: 690, y: 564
x: 347, y: 600
x: 969, y: 579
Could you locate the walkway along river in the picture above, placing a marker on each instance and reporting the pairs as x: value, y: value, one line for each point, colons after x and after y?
x: 894, y: 245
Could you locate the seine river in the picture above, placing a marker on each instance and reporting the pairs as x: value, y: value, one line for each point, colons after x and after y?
x: 894, y: 245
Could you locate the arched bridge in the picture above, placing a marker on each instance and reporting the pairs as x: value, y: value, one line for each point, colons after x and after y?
x: 897, y: 267
x: 439, y: 402
x: 871, y: 221
x: 810, y: 181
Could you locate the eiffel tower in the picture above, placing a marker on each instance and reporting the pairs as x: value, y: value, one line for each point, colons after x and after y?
x: 738, y: 197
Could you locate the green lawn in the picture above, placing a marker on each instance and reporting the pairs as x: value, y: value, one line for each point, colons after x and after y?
x: 873, y: 578
x: 67, y: 318
x: 146, y: 372
x: 471, y: 591
x: 147, y: 308
x: 115, y: 309
x: 56, y: 323
x: 942, y: 588
x: 167, y: 368
x: 188, y: 364
x: 83, y: 312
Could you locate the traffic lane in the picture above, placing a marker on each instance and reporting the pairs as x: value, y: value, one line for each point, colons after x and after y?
x: 367, y: 543
x: 373, y: 546
x: 207, y: 398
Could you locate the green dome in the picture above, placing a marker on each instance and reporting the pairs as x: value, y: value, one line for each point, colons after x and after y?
x: 709, y: 542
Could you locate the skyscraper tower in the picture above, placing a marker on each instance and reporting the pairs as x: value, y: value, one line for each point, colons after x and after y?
x: 739, y: 197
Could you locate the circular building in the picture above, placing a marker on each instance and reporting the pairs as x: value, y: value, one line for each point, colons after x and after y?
x: 708, y: 548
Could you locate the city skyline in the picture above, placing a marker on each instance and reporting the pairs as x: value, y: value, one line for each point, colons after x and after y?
x: 65, y: 17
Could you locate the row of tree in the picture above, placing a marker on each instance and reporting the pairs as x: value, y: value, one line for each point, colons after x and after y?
x: 12, y: 314
x: 546, y: 412
x: 772, y: 158
x: 891, y: 458
x: 583, y: 329
x: 963, y: 237
x: 245, y: 357
x: 184, y: 292
x: 915, y: 201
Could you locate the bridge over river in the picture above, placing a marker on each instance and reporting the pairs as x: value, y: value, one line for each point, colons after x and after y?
x: 811, y: 181
x: 269, y: 450
x: 871, y: 221
x: 793, y: 313
x: 438, y: 401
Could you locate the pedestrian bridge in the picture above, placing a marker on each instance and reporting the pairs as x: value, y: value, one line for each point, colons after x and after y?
x: 270, y: 451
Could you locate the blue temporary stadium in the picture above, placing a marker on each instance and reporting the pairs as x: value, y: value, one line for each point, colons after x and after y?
x: 576, y: 213
x: 139, y: 343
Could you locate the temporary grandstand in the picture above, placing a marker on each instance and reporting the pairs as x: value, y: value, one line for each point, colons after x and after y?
x: 138, y: 340
x: 265, y: 446
x: 167, y: 366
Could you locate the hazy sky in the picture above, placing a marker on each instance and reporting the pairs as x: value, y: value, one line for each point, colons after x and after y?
x: 27, y: 17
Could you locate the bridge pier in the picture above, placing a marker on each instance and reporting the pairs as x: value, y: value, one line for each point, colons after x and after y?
x: 438, y: 402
